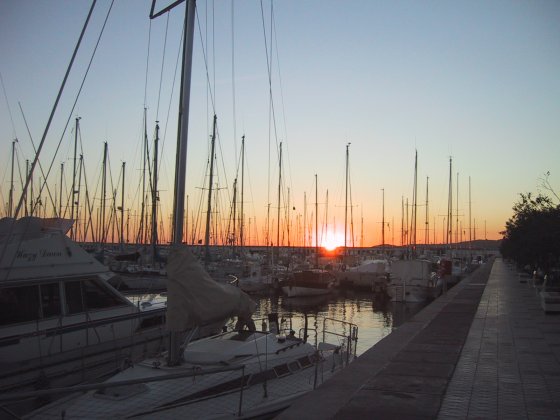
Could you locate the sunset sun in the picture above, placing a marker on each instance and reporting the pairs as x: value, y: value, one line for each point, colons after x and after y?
x: 333, y: 241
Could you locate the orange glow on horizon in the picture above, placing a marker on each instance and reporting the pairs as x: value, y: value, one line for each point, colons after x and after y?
x: 333, y: 241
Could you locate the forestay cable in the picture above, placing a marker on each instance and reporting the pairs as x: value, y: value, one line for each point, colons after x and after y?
x: 61, y: 89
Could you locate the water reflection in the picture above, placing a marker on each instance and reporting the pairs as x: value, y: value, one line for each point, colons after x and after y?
x: 375, y: 318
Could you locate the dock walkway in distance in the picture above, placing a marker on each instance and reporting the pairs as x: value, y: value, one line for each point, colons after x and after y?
x: 484, y: 350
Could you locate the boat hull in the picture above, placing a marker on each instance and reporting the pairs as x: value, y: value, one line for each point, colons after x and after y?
x: 411, y: 293
x: 296, y: 291
x: 308, y: 283
x: 220, y: 380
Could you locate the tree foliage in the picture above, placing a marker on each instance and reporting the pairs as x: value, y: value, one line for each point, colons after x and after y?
x: 532, y: 235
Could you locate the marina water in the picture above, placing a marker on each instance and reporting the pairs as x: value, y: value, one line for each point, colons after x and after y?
x: 374, y: 317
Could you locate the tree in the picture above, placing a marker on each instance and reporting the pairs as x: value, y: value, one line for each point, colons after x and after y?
x: 532, y: 235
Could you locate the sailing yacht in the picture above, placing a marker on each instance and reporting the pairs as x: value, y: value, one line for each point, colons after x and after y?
x: 242, y: 373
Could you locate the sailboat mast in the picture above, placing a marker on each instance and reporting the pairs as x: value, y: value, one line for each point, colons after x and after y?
x: 362, y: 226
x: 154, y: 238
x: 470, y: 215
x: 346, y: 204
x: 402, y: 220
x: 186, y: 220
x: 113, y: 216
x: 288, y: 217
x: 72, y: 231
x: 457, y: 213
x: 103, y: 193
x: 140, y: 237
x: 427, y: 223
x: 11, y: 197
x: 279, y: 192
x: 407, y: 232
x: 183, y: 124
x: 242, y: 215
x: 80, y: 169
x: 59, y: 198
x: 181, y: 160
x: 27, y: 173
x: 326, y: 220
x: 122, y: 206
x: 316, y: 226
x: 414, y: 202
x: 233, y: 239
x: 304, y: 218
x: 383, y: 221
x: 210, y: 182
x: 449, y: 238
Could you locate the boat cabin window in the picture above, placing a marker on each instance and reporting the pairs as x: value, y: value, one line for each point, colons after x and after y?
x: 260, y: 377
x: 19, y: 304
x: 74, y: 301
x: 88, y: 294
x: 304, y: 361
x: 29, y: 303
x: 281, y: 370
x: 50, y: 300
x: 293, y: 366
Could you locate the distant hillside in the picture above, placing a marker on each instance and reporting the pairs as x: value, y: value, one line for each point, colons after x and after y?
x: 485, y: 244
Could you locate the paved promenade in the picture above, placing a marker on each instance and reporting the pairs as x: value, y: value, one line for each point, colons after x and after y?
x: 484, y: 350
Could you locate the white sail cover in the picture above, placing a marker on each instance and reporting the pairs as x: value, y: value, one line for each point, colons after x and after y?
x: 195, y: 299
x: 411, y: 269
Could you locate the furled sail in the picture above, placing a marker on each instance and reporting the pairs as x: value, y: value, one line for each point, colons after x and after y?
x: 195, y: 299
x: 411, y: 269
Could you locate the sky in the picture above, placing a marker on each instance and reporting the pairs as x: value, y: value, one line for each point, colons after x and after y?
x: 477, y: 81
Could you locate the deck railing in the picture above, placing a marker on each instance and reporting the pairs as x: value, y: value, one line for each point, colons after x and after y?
x: 345, y: 333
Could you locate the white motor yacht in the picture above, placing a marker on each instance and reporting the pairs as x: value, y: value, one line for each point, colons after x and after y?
x: 60, y: 321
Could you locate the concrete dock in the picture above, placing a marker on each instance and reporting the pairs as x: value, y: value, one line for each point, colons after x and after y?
x: 485, y: 350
